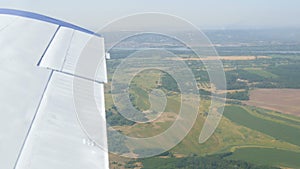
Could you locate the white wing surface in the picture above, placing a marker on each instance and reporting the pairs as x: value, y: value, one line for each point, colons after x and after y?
x: 39, y: 128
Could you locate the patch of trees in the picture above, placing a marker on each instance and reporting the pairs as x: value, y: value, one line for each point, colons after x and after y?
x: 196, y: 162
x: 243, y: 95
x: 288, y: 75
x: 147, y: 151
x: 204, y: 92
x: 233, y: 83
x: 114, y: 118
x: 201, y: 75
x: 121, y: 53
x: 233, y: 102
x: 266, y: 85
x: 251, y: 77
x: 116, y: 142
x: 169, y: 83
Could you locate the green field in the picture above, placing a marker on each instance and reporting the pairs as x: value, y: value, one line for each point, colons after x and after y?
x: 267, y: 156
x: 262, y: 73
x: 139, y: 98
x: 279, y: 117
x: 278, y: 131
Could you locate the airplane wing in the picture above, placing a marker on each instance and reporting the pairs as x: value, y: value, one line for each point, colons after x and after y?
x: 39, y: 128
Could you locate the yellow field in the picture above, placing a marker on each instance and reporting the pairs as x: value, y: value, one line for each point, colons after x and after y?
x: 227, y: 58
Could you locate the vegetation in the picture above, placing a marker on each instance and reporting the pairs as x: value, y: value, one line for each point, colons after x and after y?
x: 169, y: 83
x: 288, y: 75
x: 215, y: 161
x: 276, y: 116
x: 247, y: 137
x: 139, y: 98
x: 278, y: 131
x: 262, y: 73
x: 119, y: 146
x: 268, y: 156
x: 243, y: 95
x: 234, y: 81
x: 116, y: 119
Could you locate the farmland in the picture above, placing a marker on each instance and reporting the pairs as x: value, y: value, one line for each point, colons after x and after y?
x: 232, y: 58
x: 281, y: 100
x: 259, y: 128
x: 268, y: 156
x: 242, y: 117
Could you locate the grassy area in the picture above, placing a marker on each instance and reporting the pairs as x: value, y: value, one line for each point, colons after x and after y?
x: 222, y: 141
x: 268, y: 156
x: 279, y: 117
x: 140, y: 87
x: 139, y: 98
x: 253, y: 134
x: 147, y: 79
x: 262, y: 73
x: 277, y: 130
x: 239, y: 139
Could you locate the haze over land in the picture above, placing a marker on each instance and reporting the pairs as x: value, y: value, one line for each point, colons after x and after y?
x: 212, y: 14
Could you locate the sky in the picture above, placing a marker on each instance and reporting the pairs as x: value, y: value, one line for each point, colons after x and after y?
x: 205, y: 14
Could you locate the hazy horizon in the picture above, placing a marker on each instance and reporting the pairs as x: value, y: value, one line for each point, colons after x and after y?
x: 213, y: 14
